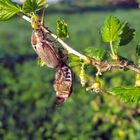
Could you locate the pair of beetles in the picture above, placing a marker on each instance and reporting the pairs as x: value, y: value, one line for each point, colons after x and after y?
x: 48, y: 53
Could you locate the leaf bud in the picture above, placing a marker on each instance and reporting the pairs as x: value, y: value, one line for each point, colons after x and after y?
x: 34, y: 20
x: 137, y: 82
x: 83, y: 76
x: 95, y: 87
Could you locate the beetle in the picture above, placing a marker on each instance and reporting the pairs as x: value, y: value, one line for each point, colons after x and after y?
x: 63, y: 82
x: 44, y: 47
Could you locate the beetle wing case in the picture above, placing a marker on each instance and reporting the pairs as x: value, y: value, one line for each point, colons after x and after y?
x: 44, y: 48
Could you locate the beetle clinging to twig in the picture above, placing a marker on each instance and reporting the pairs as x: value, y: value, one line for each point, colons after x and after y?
x: 48, y: 53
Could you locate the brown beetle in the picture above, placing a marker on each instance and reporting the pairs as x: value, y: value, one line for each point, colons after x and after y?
x: 63, y: 82
x: 45, y: 48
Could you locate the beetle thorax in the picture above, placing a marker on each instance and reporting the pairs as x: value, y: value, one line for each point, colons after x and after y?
x: 37, y: 36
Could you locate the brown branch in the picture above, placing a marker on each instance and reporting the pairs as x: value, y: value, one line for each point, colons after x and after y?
x: 102, y: 65
x: 106, y: 66
x: 64, y: 45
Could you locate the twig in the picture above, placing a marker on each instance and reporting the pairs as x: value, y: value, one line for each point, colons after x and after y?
x: 131, y: 67
x: 64, y: 45
x: 26, y: 18
x: 102, y: 65
x: 106, y: 66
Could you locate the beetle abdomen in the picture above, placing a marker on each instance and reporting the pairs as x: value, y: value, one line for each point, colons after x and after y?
x: 63, y: 83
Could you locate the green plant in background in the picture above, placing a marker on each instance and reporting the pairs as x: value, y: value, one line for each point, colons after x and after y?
x: 114, y: 32
x: 27, y: 104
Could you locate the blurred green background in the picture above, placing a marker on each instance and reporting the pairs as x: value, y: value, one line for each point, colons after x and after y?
x: 27, y: 108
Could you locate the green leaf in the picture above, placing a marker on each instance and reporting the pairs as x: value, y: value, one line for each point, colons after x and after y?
x: 41, y: 3
x: 96, y: 53
x: 111, y: 29
x: 74, y: 64
x: 116, y: 33
x: 138, y: 50
x: 33, y: 5
x: 74, y: 57
x: 62, y: 30
x: 127, y: 35
x: 8, y: 9
x: 40, y: 62
x: 74, y: 61
x: 28, y: 6
x: 126, y: 93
